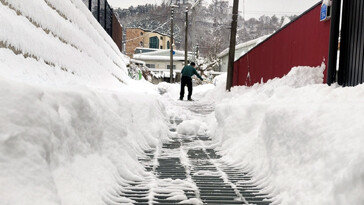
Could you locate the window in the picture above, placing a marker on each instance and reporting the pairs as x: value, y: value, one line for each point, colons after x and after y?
x: 161, y: 37
x: 169, y: 67
x: 168, y: 46
x: 154, y: 42
x: 150, y: 65
x: 161, y: 47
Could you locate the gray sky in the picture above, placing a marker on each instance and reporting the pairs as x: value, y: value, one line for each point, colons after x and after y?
x: 252, y: 8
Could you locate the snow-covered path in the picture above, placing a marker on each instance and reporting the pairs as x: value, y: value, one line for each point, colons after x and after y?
x: 188, y: 170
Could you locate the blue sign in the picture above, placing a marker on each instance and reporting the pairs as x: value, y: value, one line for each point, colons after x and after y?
x: 323, y: 14
x: 174, y: 52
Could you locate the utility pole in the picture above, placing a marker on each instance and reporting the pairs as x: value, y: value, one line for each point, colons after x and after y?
x: 186, y: 37
x: 172, y: 43
x: 197, y: 50
x: 229, y: 80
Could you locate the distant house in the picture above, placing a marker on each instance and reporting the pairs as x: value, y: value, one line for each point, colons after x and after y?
x: 240, y: 50
x: 158, y: 60
x: 137, y: 37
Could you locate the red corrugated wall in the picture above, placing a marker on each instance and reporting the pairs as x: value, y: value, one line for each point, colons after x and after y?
x: 303, y: 42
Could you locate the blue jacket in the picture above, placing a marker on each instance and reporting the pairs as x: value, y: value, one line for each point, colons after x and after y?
x: 190, y: 71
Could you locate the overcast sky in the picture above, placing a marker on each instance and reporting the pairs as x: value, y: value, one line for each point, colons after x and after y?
x: 253, y: 8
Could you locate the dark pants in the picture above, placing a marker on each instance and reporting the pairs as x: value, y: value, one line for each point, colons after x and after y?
x: 186, y: 81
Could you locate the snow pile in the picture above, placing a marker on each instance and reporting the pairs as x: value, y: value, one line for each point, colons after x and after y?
x: 300, y: 138
x: 71, y: 131
x: 191, y: 127
x: 66, y: 146
x: 58, y: 42
x: 300, y: 77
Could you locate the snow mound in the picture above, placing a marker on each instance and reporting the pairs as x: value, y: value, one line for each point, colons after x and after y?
x: 194, y: 201
x: 220, y: 80
x: 299, y: 77
x: 71, y: 129
x: 191, y: 127
x: 72, y: 146
x: 300, y: 138
x: 57, y: 42
x: 163, y: 87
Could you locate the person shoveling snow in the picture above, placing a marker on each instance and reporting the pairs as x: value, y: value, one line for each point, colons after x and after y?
x: 187, y: 72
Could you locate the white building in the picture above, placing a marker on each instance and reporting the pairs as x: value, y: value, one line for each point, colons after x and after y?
x: 240, y: 50
x: 158, y: 60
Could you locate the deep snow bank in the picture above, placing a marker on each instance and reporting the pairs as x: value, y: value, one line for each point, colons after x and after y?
x: 71, y: 147
x: 71, y: 130
x: 302, y: 138
x: 57, y: 42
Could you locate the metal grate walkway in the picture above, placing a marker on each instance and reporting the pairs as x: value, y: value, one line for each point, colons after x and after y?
x: 185, y: 171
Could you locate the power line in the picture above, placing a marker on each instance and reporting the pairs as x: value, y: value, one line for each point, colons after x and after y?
x: 148, y: 31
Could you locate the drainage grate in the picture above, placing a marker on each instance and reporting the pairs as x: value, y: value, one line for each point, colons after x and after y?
x: 171, y: 168
x: 184, y: 169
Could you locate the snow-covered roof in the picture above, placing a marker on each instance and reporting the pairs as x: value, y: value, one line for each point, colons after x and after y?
x: 148, y: 49
x: 285, y: 21
x: 137, y: 61
x: 246, y: 45
x: 156, y: 58
x: 161, y: 55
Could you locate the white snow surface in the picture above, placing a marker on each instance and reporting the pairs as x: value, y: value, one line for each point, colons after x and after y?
x: 72, y: 123
x: 300, y: 138
x: 69, y: 145
x: 191, y: 127
x: 63, y: 43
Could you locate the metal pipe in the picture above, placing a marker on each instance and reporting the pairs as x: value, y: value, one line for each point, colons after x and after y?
x: 334, y: 40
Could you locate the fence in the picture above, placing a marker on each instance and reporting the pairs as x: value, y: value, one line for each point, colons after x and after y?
x: 351, y: 66
x: 303, y: 42
x: 104, y: 14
